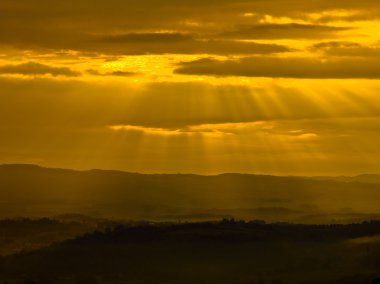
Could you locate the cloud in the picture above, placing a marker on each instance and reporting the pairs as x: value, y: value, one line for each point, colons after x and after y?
x: 70, y: 104
x: 176, y: 43
x: 146, y: 38
x: 285, y: 68
x: 142, y: 43
x: 113, y: 73
x: 147, y: 130
x: 306, y: 136
x: 92, y: 25
x: 34, y: 68
x: 334, y: 44
x: 345, y: 16
x: 210, y: 130
x: 348, y: 49
x: 283, y: 31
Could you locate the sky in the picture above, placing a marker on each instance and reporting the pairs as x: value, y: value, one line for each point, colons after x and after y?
x: 282, y: 87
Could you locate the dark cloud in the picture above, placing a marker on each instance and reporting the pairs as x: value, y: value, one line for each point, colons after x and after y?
x: 34, y: 68
x: 285, y: 68
x: 180, y: 44
x: 146, y: 38
x: 283, y: 31
x: 359, y: 16
x: 122, y: 73
x: 159, y: 13
x: 113, y: 73
x: 347, y: 49
x: 146, y: 43
x: 42, y: 24
x: 334, y: 44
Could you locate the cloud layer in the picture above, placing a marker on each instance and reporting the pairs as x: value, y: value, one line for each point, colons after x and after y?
x: 366, y: 68
x: 92, y: 25
x: 34, y: 68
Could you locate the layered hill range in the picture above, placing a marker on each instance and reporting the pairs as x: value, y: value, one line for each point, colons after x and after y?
x: 33, y: 191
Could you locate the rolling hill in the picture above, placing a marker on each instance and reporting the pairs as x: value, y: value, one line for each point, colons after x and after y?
x: 33, y: 191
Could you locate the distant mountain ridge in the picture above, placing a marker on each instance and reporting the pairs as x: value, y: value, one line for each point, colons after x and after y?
x: 374, y: 178
x: 30, y: 190
x: 367, y: 178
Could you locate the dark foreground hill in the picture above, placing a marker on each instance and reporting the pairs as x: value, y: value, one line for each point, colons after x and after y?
x: 33, y: 191
x: 24, y: 234
x: 225, y: 252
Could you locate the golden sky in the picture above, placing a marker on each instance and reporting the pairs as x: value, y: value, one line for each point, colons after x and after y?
x: 287, y: 87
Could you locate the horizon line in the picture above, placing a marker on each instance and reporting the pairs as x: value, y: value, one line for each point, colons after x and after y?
x: 185, y: 173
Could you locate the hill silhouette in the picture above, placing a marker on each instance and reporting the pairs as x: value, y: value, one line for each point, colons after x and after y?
x: 211, y: 252
x: 33, y: 191
x: 30, y: 234
x: 367, y: 178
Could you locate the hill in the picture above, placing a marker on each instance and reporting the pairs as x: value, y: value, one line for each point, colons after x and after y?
x: 33, y: 191
x: 224, y: 252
